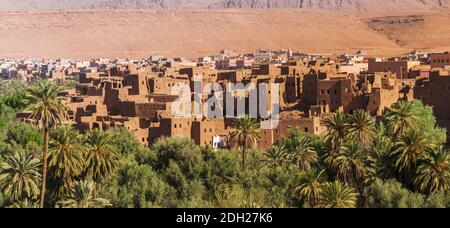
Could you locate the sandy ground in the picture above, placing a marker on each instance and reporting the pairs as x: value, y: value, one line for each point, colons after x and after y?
x: 92, y: 34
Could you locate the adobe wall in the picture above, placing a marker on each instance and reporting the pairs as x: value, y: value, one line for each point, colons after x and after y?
x: 439, y: 60
x: 287, y: 126
x: 332, y: 92
x: 203, y: 131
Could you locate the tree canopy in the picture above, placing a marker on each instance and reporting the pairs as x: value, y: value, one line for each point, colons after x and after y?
x: 400, y: 160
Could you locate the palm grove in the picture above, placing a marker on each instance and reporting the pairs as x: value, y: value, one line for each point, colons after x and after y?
x: 399, y: 160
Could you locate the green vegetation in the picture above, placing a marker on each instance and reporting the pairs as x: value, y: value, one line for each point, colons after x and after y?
x: 19, y: 176
x: 47, y: 110
x: 66, y: 158
x: 12, y: 94
x: 398, y: 161
x: 81, y: 195
x: 245, y: 136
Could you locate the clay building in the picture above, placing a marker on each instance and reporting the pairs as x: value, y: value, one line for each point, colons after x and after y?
x: 213, y: 132
x: 106, y: 102
x: 370, y: 92
x: 435, y: 91
x: 440, y: 60
x: 381, y: 91
x: 400, y: 67
x: 139, y: 95
x: 287, y: 125
x: 333, y: 91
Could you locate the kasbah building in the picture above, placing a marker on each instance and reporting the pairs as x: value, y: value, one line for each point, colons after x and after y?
x: 137, y: 95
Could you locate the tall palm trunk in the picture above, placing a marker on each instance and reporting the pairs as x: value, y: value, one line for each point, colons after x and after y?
x: 244, y: 148
x: 94, y: 190
x: 359, y: 186
x: 44, y: 168
x: 243, y: 158
x: 407, y: 179
x: 313, y: 201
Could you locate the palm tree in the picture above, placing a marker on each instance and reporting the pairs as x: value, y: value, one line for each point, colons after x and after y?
x: 246, y: 135
x: 26, y: 203
x: 82, y: 196
x: 275, y: 156
x: 361, y: 126
x: 329, y: 159
x: 408, y: 151
x: 66, y: 157
x: 336, y: 130
x: 311, y: 186
x: 338, y: 195
x: 434, y: 172
x: 19, y: 176
x: 335, y: 137
x: 379, y: 158
x: 48, y: 110
x: 101, y: 157
x: 401, y: 117
x: 302, y: 152
x: 351, y: 164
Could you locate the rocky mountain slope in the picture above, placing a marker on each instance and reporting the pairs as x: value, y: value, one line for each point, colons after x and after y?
x: 92, y: 34
x: 341, y: 5
x: 382, y: 27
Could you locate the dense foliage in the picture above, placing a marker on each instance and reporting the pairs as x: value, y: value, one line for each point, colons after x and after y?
x: 397, y: 161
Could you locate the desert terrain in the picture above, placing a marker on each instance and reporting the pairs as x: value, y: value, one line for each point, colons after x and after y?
x: 192, y: 33
x: 335, y: 5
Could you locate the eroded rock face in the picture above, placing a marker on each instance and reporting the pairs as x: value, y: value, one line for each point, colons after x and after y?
x: 344, y: 5
x: 341, y: 5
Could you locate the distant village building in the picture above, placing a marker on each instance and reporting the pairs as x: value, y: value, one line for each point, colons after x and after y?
x: 435, y: 91
x: 440, y: 60
x: 400, y: 67
x: 137, y: 94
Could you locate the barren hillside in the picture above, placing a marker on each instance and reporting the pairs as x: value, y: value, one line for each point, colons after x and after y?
x: 343, y: 5
x: 91, y: 34
x: 425, y: 31
x: 187, y: 33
